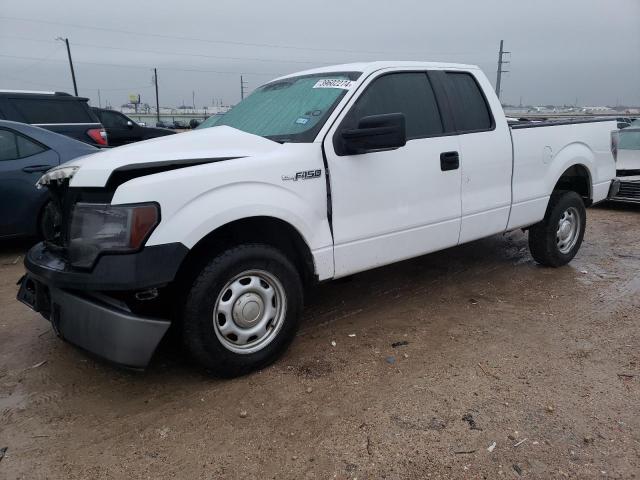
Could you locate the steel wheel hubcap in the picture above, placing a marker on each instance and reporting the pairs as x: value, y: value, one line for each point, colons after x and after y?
x: 249, y: 311
x: 568, y: 230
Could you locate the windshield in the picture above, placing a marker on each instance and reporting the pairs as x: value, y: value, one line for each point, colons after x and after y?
x: 289, y: 110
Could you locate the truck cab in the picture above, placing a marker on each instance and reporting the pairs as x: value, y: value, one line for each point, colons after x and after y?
x: 315, y: 176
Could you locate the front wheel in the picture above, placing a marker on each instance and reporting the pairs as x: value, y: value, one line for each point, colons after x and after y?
x: 243, y: 310
x: 557, y: 238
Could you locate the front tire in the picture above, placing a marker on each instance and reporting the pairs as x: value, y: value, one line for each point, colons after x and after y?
x: 243, y: 310
x: 555, y: 240
x: 49, y: 220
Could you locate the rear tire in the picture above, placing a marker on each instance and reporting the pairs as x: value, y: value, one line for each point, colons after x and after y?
x: 243, y: 310
x: 555, y: 240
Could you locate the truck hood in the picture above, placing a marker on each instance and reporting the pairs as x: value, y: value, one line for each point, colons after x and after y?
x: 165, y: 153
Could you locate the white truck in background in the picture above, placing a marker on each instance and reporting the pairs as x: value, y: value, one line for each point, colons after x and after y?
x: 315, y: 176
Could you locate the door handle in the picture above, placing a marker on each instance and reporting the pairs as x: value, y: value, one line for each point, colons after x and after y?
x: 36, y: 168
x: 449, y: 161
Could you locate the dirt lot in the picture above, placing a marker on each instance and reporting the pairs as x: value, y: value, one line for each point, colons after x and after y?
x: 543, y: 362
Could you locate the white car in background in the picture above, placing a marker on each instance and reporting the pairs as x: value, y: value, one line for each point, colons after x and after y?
x: 627, y: 152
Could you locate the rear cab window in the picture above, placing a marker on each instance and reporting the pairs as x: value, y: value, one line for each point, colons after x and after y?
x: 469, y: 106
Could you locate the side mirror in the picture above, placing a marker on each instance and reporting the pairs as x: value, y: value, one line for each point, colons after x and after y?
x: 375, y: 133
x: 129, y: 124
x: 142, y: 124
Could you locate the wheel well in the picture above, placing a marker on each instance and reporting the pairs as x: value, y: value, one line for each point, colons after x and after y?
x: 269, y: 230
x: 577, y: 179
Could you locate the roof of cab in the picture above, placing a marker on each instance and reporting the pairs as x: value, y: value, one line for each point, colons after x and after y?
x: 370, y: 67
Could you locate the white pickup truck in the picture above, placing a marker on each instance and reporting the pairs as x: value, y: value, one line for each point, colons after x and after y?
x: 315, y: 176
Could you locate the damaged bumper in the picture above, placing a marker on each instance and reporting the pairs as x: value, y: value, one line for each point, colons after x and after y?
x: 83, y: 314
x: 102, y: 329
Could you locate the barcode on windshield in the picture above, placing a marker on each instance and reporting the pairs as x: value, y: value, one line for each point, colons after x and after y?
x: 334, y: 83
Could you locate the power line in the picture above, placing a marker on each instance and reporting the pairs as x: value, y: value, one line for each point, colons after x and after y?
x: 31, y: 82
x: 63, y: 87
x: 46, y: 57
x: 159, y: 52
x: 144, y: 67
x: 120, y: 89
x: 206, y: 40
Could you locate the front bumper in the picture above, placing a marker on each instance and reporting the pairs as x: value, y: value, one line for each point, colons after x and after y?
x: 151, y: 267
x: 80, y: 311
x: 105, y: 330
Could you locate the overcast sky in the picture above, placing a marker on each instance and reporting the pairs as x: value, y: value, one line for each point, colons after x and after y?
x: 562, y: 50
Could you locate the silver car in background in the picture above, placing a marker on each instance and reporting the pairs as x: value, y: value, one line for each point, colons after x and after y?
x: 628, y: 163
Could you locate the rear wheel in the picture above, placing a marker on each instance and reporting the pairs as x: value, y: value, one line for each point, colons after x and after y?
x: 557, y: 238
x: 243, y: 310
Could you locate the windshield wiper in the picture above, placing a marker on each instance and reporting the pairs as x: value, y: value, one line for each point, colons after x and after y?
x: 279, y: 139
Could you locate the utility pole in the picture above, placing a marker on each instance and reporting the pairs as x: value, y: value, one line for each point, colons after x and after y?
x: 155, y: 81
x: 99, y: 99
x: 243, y: 85
x: 73, y: 73
x: 501, y: 63
x: 193, y: 100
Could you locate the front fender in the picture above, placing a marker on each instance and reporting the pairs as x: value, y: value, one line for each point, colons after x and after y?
x: 196, y: 219
x: 199, y: 217
x: 197, y: 200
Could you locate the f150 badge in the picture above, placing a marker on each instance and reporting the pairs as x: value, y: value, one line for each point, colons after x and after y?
x: 306, y: 175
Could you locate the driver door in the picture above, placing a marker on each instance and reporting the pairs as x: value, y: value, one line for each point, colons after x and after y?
x: 395, y: 204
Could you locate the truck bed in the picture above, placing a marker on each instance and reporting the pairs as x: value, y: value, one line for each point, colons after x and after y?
x: 542, y: 151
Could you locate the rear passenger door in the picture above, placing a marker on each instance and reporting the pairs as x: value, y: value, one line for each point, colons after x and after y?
x: 485, y: 152
x: 395, y: 204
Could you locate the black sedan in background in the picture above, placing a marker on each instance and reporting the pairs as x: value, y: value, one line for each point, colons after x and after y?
x: 26, y: 152
x: 122, y: 130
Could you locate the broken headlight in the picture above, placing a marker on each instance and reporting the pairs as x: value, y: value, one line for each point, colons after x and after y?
x: 100, y: 228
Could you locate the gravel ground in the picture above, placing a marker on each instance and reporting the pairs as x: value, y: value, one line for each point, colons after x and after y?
x: 508, y: 370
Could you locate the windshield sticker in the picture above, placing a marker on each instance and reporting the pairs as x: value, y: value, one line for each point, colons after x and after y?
x: 302, y: 121
x: 334, y: 83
